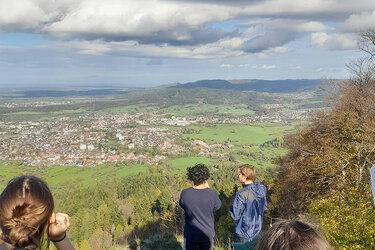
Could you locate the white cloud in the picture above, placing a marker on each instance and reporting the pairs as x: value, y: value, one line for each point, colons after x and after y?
x: 90, y: 48
x: 226, y: 65
x: 285, y: 23
x: 20, y: 15
x: 133, y: 49
x: 319, y: 39
x: 144, y: 21
x: 334, y: 41
x: 268, y: 66
x: 297, y: 67
x: 335, y: 9
x: 245, y: 65
x: 279, y: 49
x: 262, y: 55
x: 273, y: 34
x: 342, y: 42
x: 312, y: 26
x: 189, y: 28
x: 32, y: 15
x: 357, y: 22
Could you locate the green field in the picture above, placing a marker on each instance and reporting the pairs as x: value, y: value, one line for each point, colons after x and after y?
x: 240, y: 134
x: 131, y: 109
x: 40, y: 116
x: 183, y: 163
x: 193, y: 109
x: 260, y: 157
x: 62, y: 176
x: 183, y: 110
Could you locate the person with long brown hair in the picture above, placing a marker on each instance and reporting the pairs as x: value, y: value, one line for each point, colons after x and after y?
x: 27, y: 217
x: 292, y: 235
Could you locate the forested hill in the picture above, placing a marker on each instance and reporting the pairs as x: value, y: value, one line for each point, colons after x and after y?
x: 271, y: 86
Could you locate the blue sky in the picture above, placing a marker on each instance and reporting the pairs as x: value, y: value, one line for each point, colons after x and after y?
x: 154, y: 42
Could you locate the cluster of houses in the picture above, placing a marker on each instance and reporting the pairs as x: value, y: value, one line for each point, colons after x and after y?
x: 83, y: 141
x: 92, y: 139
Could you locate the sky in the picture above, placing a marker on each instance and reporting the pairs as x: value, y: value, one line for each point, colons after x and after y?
x: 154, y: 42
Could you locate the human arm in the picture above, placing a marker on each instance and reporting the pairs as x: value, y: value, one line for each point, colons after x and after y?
x: 217, y: 203
x: 181, y: 200
x: 265, y: 205
x: 237, y: 207
x: 58, y: 224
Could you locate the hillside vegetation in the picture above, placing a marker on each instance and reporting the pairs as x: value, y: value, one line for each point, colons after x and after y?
x: 172, y: 100
x: 326, y: 171
x: 270, y: 86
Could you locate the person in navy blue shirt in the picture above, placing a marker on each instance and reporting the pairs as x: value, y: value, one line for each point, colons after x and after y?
x: 199, y: 202
x: 249, y: 205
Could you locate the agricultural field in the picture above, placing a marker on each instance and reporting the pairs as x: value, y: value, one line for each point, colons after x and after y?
x: 131, y: 109
x: 195, y: 109
x: 239, y: 134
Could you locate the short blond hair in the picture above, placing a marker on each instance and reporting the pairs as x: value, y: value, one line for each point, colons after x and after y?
x: 248, y: 171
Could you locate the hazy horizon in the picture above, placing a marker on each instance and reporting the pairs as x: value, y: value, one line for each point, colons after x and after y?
x: 119, y: 85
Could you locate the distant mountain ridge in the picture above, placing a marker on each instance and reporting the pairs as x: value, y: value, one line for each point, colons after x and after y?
x: 270, y: 86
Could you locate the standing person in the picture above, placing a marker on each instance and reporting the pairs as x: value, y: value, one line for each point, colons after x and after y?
x: 249, y: 205
x: 26, y: 215
x: 199, y: 202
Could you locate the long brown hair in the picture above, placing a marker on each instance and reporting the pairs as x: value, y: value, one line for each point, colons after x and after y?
x: 25, y: 207
x: 292, y: 235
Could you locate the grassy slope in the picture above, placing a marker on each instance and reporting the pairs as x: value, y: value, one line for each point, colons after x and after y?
x: 240, y: 134
x: 181, y: 164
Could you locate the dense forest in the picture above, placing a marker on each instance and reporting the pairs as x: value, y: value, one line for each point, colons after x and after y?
x: 142, y: 210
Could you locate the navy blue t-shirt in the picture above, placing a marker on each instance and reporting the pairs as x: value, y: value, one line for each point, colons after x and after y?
x: 199, y: 205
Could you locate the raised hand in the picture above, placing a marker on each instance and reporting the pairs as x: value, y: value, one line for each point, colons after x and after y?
x: 58, y: 224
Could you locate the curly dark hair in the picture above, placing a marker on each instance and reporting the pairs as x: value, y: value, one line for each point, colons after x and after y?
x: 198, y: 174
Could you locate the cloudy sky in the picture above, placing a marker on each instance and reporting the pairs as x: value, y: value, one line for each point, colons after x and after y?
x: 154, y: 42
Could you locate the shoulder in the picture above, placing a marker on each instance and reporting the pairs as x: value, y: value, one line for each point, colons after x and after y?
x: 186, y: 190
x: 212, y: 191
x: 262, y: 186
x: 243, y: 191
x: 246, y: 194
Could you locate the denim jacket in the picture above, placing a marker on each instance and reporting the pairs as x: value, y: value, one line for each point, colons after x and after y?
x: 247, y: 210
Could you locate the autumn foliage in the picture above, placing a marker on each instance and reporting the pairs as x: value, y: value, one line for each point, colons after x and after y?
x: 327, y: 169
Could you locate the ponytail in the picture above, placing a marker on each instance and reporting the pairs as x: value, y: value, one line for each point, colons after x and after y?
x: 25, y: 207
